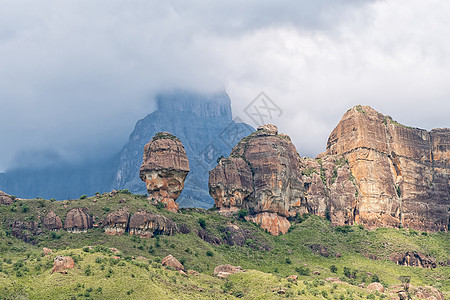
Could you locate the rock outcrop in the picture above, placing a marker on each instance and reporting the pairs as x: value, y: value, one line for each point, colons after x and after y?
x: 116, y: 223
x: 78, y: 220
x: 261, y: 175
x: 5, y: 199
x: 376, y: 286
x: 402, y: 173
x: 52, y: 221
x: 415, y: 259
x: 223, y: 271
x: 164, y: 169
x: 375, y: 172
x: 170, y: 261
x: 62, y: 263
x: 147, y: 224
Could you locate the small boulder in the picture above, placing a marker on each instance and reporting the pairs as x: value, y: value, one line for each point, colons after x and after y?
x: 376, y: 286
x: 223, y: 271
x: 47, y: 251
x: 170, y: 261
x: 62, y: 263
x: 292, y: 277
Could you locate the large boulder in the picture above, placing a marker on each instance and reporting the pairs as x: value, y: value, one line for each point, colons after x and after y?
x: 415, y: 259
x: 62, y: 263
x: 376, y: 286
x: 170, y: 261
x: 52, y: 221
x: 147, y: 224
x: 164, y: 169
x: 5, y: 199
x: 223, y: 271
x: 116, y: 223
x: 78, y: 220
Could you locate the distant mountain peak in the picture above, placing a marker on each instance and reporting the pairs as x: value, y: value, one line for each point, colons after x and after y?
x: 217, y: 104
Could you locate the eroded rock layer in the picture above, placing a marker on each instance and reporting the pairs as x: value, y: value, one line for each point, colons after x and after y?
x: 402, y: 173
x: 164, y: 169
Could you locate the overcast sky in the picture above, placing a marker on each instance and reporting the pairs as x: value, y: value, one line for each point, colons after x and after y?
x: 75, y: 76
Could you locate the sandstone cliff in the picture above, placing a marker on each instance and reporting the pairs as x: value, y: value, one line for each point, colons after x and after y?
x: 116, y: 223
x: 164, y: 169
x: 402, y: 173
x: 147, y: 224
x: 375, y: 172
x: 5, y: 199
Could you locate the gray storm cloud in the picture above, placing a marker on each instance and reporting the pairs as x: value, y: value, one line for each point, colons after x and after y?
x: 75, y: 76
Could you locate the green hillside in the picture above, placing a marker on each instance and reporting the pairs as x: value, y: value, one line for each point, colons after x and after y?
x: 311, y: 246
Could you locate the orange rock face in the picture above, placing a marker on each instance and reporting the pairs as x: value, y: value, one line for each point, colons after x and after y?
x: 164, y: 169
x: 170, y: 261
x: 62, y: 263
x: 261, y: 175
x: 51, y: 221
x: 375, y: 172
x: 401, y: 172
x: 5, y: 199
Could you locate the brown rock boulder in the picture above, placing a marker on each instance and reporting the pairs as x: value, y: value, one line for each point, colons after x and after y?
x: 223, y: 271
x: 170, y: 261
x: 78, y: 220
x: 52, y: 222
x: 164, y: 169
x: 5, y: 199
x: 62, y: 263
x: 234, y: 235
x: 415, y: 259
x: 376, y: 286
x: 272, y: 222
x: 147, y: 224
x: 116, y: 223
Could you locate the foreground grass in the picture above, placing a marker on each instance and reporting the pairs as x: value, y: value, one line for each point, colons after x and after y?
x: 25, y: 272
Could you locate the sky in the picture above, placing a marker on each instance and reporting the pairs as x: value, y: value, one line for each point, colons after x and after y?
x: 75, y: 76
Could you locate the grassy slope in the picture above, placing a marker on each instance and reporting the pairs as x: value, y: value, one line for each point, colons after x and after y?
x: 269, y: 268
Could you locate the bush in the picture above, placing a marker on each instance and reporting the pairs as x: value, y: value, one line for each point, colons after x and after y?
x: 202, y: 223
x: 302, y: 270
x: 25, y: 209
x: 333, y: 268
x: 88, y: 271
x: 83, y: 196
x: 242, y: 213
x: 347, y: 272
x: 288, y: 260
x: 209, y: 253
x: 344, y: 229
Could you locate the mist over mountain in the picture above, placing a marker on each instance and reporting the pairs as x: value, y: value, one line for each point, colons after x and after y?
x: 203, y: 122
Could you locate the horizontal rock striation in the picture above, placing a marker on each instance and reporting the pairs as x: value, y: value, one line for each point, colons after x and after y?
x: 402, y: 173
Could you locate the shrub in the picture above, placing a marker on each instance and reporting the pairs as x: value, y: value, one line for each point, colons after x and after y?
x: 333, y: 268
x: 25, y: 209
x: 302, y: 270
x: 288, y: 260
x: 347, y: 272
x: 83, y: 196
x: 202, y: 223
x: 242, y: 213
x: 88, y: 271
x: 209, y: 253
x: 228, y: 285
x: 344, y: 229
